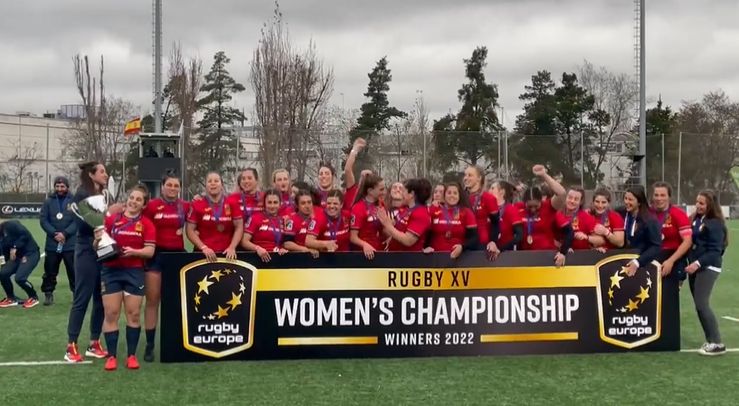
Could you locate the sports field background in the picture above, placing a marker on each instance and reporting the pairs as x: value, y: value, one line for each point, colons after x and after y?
x: 39, y: 334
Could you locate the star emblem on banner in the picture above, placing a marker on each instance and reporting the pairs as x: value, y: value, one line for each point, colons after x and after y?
x: 207, y: 285
x: 632, y: 303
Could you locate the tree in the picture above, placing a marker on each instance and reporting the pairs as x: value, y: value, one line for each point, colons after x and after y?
x: 92, y: 92
x: 376, y: 114
x: 183, y: 84
x: 18, y: 167
x: 291, y: 91
x: 470, y: 135
x: 710, y: 145
x: 661, y: 124
x: 216, y: 143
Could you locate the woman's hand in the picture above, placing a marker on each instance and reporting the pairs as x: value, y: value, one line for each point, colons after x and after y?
x: 369, y: 251
x: 428, y: 250
x: 456, y: 251
x: 230, y: 253
x: 263, y: 254
x: 559, y: 260
x: 210, y: 255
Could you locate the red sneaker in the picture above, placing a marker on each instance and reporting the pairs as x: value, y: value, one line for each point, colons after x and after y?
x: 8, y: 303
x: 30, y: 302
x: 73, y: 355
x: 132, y: 362
x: 96, y: 350
x: 111, y: 364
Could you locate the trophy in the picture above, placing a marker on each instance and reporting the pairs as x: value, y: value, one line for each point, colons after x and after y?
x: 92, y: 211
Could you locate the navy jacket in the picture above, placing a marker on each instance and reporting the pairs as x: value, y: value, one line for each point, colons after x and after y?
x: 14, y: 235
x: 85, y: 233
x: 647, y: 238
x: 708, y: 242
x: 51, y: 224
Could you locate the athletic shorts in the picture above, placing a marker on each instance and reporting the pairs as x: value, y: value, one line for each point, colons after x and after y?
x: 127, y: 280
x: 156, y: 263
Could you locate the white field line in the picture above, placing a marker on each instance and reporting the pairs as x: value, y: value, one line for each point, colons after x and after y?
x: 37, y: 363
x: 696, y: 350
x: 730, y: 318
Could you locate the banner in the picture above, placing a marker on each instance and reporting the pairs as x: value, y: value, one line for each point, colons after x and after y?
x: 412, y: 304
x: 16, y: 210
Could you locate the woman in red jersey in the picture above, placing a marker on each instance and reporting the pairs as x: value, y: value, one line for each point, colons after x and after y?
x: 214, y: 225
x: 609, y: 224
x: 281, y: 182
x: 365, y: 226
x: 330, y: 232
x: 677, y: 236
x: 582, y: 223
x: 408, y: 233
x: 264, y: 230
x: 247, y: 194
x: 122, y: 279
x: 541, y: 223
x: 327, y: 176
x: 453, y: 224
x: 394, y: 203
x: 296, y: 226
x: 167, y: 213
x: 483, y: 204
x: 511, y: 223
x: 437, y: 198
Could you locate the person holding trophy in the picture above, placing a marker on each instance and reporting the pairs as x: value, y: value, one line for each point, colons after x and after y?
x: 89, y: 204
x: 214, y: 224
x: 123, y: 276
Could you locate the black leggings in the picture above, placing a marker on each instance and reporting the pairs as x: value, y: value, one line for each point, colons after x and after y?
x: 86, y: 287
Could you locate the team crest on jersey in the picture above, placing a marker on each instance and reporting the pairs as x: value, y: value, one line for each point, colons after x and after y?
x: 575, y: 223
x: 668, y: 220
x: 312, y: 225
x: 289, y: 225
x: 353, y: 220
x: 227, y: 210
x: 139, y: 227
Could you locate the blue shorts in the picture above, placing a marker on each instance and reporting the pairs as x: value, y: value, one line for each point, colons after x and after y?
x: 128, y: 280
x: 156, y: 263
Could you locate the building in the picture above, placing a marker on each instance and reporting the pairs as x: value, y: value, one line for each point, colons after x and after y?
x: 32, y: 152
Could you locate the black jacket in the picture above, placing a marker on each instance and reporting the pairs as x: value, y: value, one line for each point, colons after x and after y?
x: 14, y: 235
x: 52, y: 225
x: 708, y: 243
x: 647, y: 238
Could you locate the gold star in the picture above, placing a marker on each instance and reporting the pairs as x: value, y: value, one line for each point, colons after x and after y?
x: 616, y: 280
x: 235, y: 301
x: 203, y: 286
x: 197, y: 300
x: 228, y: 272
x: 211, y: 317
x: 624, y: 270
x: 242, y: 288
x: 610, y: 293
x: 216, y: 275
x: 643, y: 295
x: 632, y: 305
x: 221, y: 313
x: 649, y: 283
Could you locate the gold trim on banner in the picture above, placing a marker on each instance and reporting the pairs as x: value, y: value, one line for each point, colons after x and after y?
x: 283, y: 341
x: 528, y: 337
x: 425, y: 279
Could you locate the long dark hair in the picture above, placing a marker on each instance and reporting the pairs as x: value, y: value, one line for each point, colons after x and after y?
x: 510, y: 190
x: 464, y: 200
x: 86, y: 182
x: 641, y: 199
x: 421, y: 189
x: 368, y: 182
x: 713, y: 211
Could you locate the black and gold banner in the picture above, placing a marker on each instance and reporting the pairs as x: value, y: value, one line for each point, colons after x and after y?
x: 400, y: 305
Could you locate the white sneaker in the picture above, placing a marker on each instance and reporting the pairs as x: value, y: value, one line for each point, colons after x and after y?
x: 711, y: 349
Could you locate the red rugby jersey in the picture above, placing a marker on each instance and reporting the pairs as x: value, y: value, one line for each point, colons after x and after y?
x: 266, y: 231
x: 483, y: 205
x: 417, y: 221
x: 675, y: 224
x: 449, y: 226
x: 612, y: 221
x: 510, y: 216
x: 247, y: 202
x: 169, y: 220
x: 336, y: 229
x: 297, y: 227
x: 214, y: 221
x: 541, y: 228
x: 583, y: 222
x: 130, y: 232
x: 364, y: 219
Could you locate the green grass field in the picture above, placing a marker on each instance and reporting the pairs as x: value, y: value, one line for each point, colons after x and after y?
x: 39, y: 334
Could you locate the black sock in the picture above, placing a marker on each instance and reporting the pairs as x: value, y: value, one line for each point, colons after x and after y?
x: 111, y: 341
x: 150, y: 335
x: 132, y: 339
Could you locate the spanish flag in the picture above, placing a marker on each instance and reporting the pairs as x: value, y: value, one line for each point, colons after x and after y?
x: 133, y: 127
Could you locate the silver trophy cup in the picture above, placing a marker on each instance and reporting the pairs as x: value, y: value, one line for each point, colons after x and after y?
x: 92, y: 211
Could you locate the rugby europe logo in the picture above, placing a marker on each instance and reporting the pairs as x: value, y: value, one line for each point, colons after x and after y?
x: 629, y: 307
x: 217, y: 300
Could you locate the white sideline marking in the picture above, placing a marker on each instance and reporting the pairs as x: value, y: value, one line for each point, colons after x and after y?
x: 43, y: 254
x: 34, y: 363
x: 696, y: 350
x: 731, y: 318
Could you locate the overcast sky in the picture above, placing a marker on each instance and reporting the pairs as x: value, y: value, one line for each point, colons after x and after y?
x: 692, y: 46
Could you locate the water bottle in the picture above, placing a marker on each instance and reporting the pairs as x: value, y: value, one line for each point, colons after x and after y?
x: 59, y: 247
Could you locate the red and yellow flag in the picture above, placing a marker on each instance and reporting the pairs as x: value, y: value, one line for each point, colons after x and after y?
x: 133, y: 127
